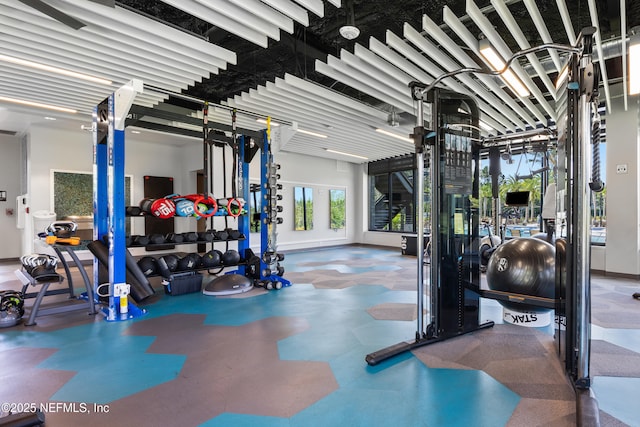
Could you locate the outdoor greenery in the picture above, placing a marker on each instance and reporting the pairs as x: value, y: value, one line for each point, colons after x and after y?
x: 533, y: 185
x: 303, y: 208
x: 337, y: 200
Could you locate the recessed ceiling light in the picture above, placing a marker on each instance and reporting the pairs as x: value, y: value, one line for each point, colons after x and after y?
x: 308, y: 132
x: 498, y: 64
x: 264, y: 122
x: 345, y: 154
x: 50, y: 118
x: 135, y: 131
x: 395, y: 135
x: 37, y: 104
x: 51, y: 69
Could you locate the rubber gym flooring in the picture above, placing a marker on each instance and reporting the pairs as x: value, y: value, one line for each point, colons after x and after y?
x: 295, y: 357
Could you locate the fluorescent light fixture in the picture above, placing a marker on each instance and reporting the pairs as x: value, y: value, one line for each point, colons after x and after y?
x: 498, y: 64
x: 346, y: 154
x: 37, y: 104
x: 264, y: 122
x: 50, y: 118
x: 562, y: 76
x: 634, y: 61
x: 52, y: 69
x: 395, y: 135
x: 308, y: 132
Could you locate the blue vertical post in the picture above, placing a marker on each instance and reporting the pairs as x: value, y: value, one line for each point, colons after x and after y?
x: 109, y: 195
x: 117, y: 246
x: 100, y: 162
x: 243, y: 192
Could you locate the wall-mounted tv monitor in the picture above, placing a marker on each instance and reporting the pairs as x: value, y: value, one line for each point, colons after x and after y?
x: 517, y: 198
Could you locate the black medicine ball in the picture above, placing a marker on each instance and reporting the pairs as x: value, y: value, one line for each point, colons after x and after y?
x: 172, y: 261
x: 148, y: 265
x: 212, y: 259
x: 189, y: 262
x: 231, y: 257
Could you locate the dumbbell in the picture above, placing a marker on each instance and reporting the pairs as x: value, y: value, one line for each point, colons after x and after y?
x: 222, y: 235
x: 173, y: 238
x: 133, y: 211
x: 205, y: 236
x: 137, y: 240
x: 233, y: 234
x: 190, y: 236
x: 156, y: 239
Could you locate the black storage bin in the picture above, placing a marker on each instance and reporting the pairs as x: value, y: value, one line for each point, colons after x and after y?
x: 183, y: 283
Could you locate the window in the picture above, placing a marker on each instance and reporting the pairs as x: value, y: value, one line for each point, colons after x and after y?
x: 391, y: 195
x: 303, y: 212
x: 337, y: 209
x: 255, y: 207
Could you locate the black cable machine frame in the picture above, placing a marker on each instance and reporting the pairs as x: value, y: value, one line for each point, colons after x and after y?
x: 454, y: 278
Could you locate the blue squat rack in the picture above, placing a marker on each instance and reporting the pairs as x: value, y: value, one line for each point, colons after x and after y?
x: 109, y: 203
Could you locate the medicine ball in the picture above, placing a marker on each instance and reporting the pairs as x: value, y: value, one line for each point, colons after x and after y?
x: 523, y: 266
x: 231, y: 257
x: 189, y: 262
x: 161, y: 208
x: 172, y: 261
x: 212, y: 259
x: 197, y: 260
x: 148, y: 265
x: 185, y: 208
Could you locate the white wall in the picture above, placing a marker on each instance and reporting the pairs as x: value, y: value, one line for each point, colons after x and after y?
x: 70, y: 150
x: 10, y: 169
x: 321, y: 175
x: 623, y: 201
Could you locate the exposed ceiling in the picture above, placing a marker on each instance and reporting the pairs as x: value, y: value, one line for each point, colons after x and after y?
x: 286, y: 59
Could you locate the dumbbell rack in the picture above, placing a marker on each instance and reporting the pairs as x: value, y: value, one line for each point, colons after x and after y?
x: 270, y: 269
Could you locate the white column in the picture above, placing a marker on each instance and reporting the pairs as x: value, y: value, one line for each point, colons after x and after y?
x: 623, y: 188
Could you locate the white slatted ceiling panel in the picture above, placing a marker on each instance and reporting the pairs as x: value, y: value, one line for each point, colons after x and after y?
x: 116, y: 44
x: 253, y: 20
x: 383, y: 69
x: 348, y: 124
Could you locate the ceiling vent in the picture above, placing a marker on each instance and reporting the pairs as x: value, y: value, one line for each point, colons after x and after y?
x: 8, y: 132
